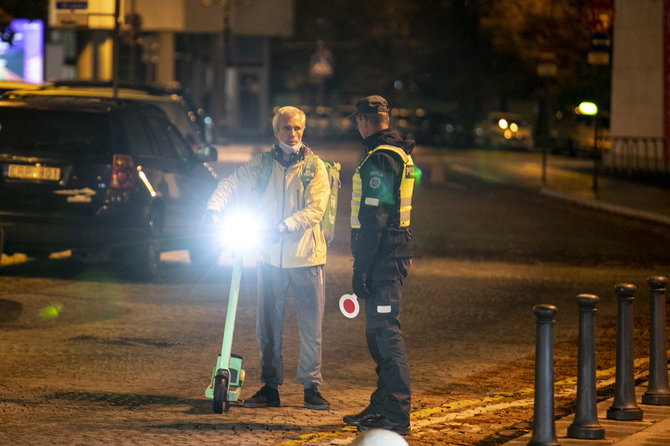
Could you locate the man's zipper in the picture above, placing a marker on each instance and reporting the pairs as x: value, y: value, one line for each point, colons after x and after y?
x: 283, y: 206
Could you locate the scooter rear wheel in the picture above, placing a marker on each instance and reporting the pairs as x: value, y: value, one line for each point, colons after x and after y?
x: 220, y: 394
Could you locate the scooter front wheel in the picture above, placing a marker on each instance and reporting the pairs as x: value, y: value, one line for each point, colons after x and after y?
x: 220, y: 394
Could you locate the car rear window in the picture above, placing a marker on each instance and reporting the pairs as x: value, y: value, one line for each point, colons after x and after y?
x: 54, y: 130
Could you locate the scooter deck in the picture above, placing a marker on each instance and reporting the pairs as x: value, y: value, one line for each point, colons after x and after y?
x: 236, y: 373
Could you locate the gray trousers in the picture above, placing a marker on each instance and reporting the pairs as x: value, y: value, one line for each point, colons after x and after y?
x: 308, y: 285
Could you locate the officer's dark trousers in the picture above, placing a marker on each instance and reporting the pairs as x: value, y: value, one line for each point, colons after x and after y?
x: 387, y: 348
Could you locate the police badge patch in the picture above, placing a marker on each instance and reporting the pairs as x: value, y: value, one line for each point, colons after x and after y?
x: 375, y: 182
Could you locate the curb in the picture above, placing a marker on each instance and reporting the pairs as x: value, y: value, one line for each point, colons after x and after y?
x: 608, y: 207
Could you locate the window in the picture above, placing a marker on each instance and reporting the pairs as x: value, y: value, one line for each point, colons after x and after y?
x: 55, y: 130
x: 170, y: 143
x: 139, y: 141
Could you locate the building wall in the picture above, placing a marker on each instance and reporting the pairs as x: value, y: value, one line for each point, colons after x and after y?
x: 638, y: 127
x: 637, y: 69
x: 247, y: 17
x: 236, y: 89
x: 266, y: 18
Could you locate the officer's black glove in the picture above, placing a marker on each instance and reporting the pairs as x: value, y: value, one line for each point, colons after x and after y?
x: 359, y: 285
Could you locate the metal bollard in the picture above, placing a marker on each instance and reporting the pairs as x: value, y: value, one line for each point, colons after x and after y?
x: 657, y: 393
x: 544, y: 429
x: 585, y: 424
x: 624, y: 407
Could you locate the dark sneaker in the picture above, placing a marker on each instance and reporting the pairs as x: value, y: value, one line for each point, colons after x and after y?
x: 266, y: 397
x: 314, y: 400
x: 381, y: 422
x: 366, y: 414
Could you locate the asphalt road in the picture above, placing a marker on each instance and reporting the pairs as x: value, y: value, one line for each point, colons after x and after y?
x: 90, y: 359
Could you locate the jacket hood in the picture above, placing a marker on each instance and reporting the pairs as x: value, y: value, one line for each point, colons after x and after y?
x: 390, y: 137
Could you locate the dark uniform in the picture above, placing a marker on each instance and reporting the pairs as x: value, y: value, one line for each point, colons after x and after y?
x: 381, y: 244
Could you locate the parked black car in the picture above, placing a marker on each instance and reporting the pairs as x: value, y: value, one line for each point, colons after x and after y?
x: 96, y: 175
x: 175, y: 103
x: 191, y: 121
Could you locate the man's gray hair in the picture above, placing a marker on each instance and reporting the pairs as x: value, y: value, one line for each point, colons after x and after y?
x: 287, y: 111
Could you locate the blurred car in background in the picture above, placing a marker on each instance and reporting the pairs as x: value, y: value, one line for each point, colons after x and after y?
x: 328, y: 122
x: 413, y: 124
x: 443, y: 129
x: 98, y: 175
x: 573, y: 133
x: 425, y: 127
x: 503, y: 130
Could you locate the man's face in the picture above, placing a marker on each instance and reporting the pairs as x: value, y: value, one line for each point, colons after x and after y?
x: 290, y: 130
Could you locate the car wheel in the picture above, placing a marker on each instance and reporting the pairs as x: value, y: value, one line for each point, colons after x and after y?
x: 142, y: 259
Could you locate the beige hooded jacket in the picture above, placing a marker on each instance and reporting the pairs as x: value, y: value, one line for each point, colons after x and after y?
x: 286, y: 200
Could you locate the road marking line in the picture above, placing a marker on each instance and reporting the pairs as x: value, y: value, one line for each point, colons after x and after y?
x: 606, y: 379
x: 316, y: 436
x: 427, y: 417
x: 470, y: 413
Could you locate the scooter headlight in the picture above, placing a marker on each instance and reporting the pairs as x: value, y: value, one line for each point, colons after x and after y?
x: 241, y: 230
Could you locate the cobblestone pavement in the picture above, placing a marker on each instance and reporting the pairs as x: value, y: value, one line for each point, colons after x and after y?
x: 97, y: 362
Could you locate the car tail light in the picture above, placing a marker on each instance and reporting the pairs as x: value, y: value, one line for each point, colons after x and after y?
x: 123, y: 173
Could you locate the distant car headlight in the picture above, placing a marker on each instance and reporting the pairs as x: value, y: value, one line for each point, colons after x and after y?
x: 502, y: 123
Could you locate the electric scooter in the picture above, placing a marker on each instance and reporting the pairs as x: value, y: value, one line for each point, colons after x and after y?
x: 228, y: 375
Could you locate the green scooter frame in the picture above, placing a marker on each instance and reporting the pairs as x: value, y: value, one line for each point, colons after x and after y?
x: 228, y: 375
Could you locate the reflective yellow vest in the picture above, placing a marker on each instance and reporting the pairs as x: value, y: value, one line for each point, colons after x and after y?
x: 406, y: 187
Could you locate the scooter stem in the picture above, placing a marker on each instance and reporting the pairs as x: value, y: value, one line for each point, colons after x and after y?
x: 229, y: 329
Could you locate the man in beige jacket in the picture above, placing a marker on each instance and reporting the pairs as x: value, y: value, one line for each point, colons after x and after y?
x: 292, y: 258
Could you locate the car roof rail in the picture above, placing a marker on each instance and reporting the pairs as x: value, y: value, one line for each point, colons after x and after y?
x: 147, y: 88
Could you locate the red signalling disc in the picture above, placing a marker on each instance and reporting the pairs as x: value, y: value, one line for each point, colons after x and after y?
x: 349, y: 305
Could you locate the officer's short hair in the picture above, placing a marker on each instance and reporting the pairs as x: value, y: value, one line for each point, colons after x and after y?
x: 377, y: 119
x: 290, y: 112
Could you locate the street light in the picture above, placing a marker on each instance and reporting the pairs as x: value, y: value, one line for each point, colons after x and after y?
x: 591, y: 109
x: 588, y: 108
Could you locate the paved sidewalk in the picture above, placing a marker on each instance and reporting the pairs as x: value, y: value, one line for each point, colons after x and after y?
x: 654, y: 429
x: 616, y: 195
x: 569, y: 179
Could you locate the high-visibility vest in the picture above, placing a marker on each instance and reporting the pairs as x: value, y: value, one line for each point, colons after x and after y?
x: 406, y: 187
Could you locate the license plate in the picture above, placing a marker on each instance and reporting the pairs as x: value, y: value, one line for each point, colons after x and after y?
x: 24, y: 172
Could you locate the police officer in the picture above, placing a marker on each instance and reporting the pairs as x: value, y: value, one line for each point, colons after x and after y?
x: 381, y: 244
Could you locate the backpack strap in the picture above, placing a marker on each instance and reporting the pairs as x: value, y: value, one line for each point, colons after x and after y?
x: 309, y: 169
x: 264, y: 172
